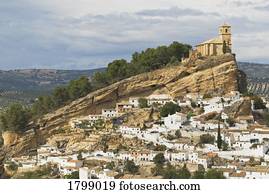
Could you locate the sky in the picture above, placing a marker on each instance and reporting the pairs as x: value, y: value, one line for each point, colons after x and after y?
x: 87, y: 34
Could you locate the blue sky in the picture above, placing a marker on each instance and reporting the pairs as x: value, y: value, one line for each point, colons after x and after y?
x: 86, y: 34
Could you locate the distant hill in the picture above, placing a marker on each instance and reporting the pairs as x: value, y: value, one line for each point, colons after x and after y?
x: 255, y: 71
x: 26, y: 84
x: 258, y: 77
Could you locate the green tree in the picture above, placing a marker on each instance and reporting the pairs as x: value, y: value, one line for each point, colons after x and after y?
x: 169, y: 108
x: 73, y: 175
x: 178, y: 134
x: 199, y: 174
x: 258, y: 103
x: 231, y: 122
x: 159, y: 159
x: 15, y: 118
x: 100, y: 79
x: 60, y: 96
x: 214, y: 174
x: 207, y: 96
x: 171, y: 172
x: 184, y: 173
x: 79, y: 88
x: 131, y: 167
x: 79, y: 156
x: 43, y: 105
x: 207, y: 139
x: 219, y: 139
x: 143, y: 102
x: 110, y: 165
x: 117, y: 70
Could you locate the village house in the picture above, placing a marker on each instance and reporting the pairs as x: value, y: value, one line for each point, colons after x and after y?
x: 86, y: 173
x: 175, y: 121
x: 123, y: 107
x: 70, y: 166
x: 161, y: 99
x: 109, y: 113
x: 134, y: 101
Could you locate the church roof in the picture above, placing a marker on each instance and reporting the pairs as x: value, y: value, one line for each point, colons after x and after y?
x: 216, y: 40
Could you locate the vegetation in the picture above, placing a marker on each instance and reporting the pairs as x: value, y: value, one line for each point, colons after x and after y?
x: 131, y: 167
x: 207, y: 139
x: 178, y: 134
x: 169, y: 108
x: 207, y: 96
x: 110, y: 165
x: 172, y: 172
x: 143, y: 102
x: 73, y: 175
x: 231, y: 122
x: 219, y: 139
x: 210, y: 174
x: 159, y: 159
x: 214, y: 174
x: 14, y: 118
x: 43, y: 172
x: 258, y: 102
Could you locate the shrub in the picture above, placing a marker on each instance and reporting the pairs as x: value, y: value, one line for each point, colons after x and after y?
x: 207, y: 139
x: 131, y: 167
x: 143, y: 102
x: 169, y: 108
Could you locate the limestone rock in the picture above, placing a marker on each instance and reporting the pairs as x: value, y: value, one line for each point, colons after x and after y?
x: 215, y: 75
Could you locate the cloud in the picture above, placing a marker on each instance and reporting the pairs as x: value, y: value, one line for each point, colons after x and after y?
x: 35, y: 36
x: 175, y: 12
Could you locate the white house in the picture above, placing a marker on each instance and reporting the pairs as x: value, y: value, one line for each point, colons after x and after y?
x: 159, y: 99
x: 109, y: 113
x: 175, y: 121
x: 131, y: 131
x: 85, y: 173
x: 134, y: 101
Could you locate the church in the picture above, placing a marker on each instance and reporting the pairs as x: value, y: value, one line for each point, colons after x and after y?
x: 217, y: 46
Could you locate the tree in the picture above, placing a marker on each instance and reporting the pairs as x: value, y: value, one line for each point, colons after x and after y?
x: 159, y: 159
x: 258, y: 103
x: 219, y: 139
x: 79, y: 88
x: 73, y: 175
x: 110, y: 165
x: 43, y: 105
x: 169, y: 108
x: 171, y: 172
x: 100, y: 79
x: 143, y: 102
x: 231, y: 122
x: 224, y: 47
x: 117, y: 70
x: 79, y: 156
x: 178, y: 134
x: 157, y: 170
x: 214, y: 174
x: 60, y: 96
x: 199, y: 174
x: 15, y: 118
x: 207, y: 96
x: 131, y: 167
x: 207, y: 139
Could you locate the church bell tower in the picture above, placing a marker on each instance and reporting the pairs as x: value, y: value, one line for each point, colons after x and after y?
x: 226, y: 36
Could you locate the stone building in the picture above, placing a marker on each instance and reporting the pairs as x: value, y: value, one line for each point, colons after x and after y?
x: 217, y: 46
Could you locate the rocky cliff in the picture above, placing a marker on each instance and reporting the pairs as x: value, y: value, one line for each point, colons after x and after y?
x: 214, y: 75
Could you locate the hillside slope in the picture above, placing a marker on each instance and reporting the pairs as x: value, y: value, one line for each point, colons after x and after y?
x: 214, y: 75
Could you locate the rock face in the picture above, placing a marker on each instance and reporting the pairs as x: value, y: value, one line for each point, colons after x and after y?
x: 214, y: 75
